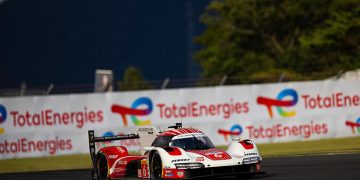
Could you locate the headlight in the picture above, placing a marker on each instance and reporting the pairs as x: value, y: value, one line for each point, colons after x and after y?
x: 189, y: 165
x: 251, y: 160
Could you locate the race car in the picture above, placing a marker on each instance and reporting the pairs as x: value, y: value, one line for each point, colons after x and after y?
x: 176, y: 153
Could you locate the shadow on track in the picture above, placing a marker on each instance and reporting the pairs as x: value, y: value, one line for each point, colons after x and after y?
x: 346, y: 166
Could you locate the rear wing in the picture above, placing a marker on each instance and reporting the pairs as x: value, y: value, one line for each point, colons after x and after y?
x: 93, y: 140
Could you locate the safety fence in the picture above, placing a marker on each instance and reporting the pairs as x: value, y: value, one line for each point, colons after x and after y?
x: 33, y: 126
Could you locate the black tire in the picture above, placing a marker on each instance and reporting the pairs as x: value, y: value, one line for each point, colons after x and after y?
x: 156, y: 167
x: 102, y: 167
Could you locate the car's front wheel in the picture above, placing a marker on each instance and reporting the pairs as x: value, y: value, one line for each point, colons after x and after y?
x: 156, y: 167
x: 102, y: 167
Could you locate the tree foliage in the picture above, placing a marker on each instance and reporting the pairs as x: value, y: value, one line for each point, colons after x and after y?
x: 133, y: 80
x: 258, y: 40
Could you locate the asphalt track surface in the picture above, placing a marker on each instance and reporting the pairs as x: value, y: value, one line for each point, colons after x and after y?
x: 345, y: 166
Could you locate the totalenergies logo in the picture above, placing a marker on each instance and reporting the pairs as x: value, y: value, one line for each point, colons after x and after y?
x: 279, y: 102
x: 3, y: 115
x: 235, y: 130
x: 133, y: 111
x: 354, y: 125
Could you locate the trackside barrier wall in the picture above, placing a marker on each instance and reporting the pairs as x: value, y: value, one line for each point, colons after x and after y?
x: 58, y: 124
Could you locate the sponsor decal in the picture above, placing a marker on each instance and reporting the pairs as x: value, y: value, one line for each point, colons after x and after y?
x: 235, y: 130
x: 335, y: 100
x: 355, y: 126
x: 250, y: 154
x: 113, y: 156
x: 290, y: 97
x: 199, y: 159
x: 279, y: 102
x: 169, y: 173
x: 3, y: 116
x: 145, y: 130
x: 195, y: 109
x: 173, y: 111
x: 25, y: 145
x: 179, y: 160
x: 280, y: 130
x: 173, y: 173
x: 49, y: 117
x: 133, y: 111
x: 180, y: 174
x: 144, y: 168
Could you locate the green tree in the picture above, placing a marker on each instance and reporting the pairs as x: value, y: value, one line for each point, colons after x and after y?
x: 133, y: 80
x: 258, y: 40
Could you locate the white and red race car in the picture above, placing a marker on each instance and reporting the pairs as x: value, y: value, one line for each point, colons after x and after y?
x: 176, y: 153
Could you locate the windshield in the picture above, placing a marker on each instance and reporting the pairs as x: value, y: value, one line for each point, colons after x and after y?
x: 193, y: 143
x: 162, y: 141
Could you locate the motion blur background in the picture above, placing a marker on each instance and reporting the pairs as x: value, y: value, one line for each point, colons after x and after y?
x: 77, y: 47
x: 56, y: 46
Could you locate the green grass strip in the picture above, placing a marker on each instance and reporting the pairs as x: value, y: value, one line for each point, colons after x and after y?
x: 80, y: 161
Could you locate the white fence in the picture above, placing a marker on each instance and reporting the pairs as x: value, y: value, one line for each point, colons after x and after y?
x: 56, y: 125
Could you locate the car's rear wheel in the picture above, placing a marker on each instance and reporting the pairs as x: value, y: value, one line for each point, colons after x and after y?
x: 156, y: 167
x: 102, y: 167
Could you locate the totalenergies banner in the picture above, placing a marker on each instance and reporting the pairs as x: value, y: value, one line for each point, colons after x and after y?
x: 58, y: 124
